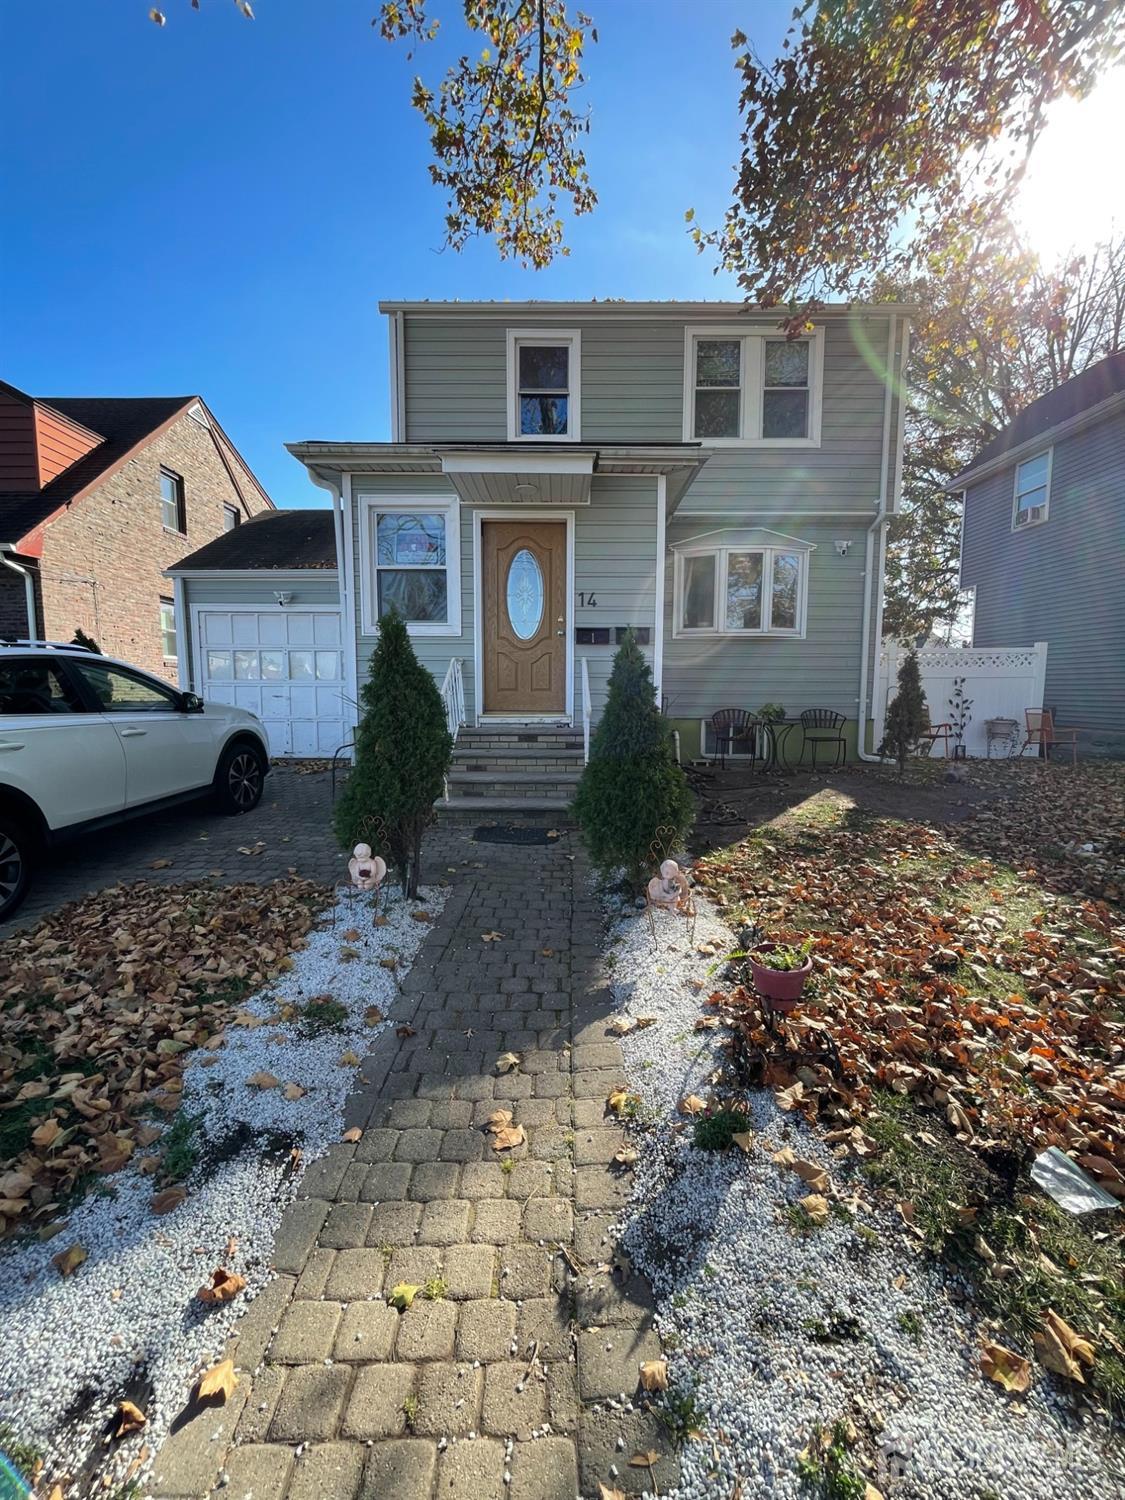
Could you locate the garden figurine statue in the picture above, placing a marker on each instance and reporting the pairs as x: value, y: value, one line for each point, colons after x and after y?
x: 366, y: 869
x: 670, y: 891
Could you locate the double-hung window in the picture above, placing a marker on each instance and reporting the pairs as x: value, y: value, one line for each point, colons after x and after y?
x: 168, y: 630
x: 1032, y: 492
x: 741, y: 589
x: 411, y: 552
x: 173, y: 511
x: 544, y: 385
x: 751, y: 388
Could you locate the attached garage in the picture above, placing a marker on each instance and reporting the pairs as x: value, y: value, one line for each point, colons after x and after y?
x: 259, y: 625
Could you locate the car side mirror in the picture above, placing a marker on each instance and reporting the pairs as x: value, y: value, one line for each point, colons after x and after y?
x: 191, y: 703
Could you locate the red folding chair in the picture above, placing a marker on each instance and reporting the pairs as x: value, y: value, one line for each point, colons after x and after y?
x: 1044, y: 732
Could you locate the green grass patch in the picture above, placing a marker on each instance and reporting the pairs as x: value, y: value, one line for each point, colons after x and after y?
x: 715, y: 1132
x: 827, y: 1467
x: 24, y: 1456
x: 1057, y: 1261
x: 679, y: 1414
x: 180, y: 1147
x: 321, y: 1015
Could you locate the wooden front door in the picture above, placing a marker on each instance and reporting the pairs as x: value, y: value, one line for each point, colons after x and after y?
x: 524, y: 617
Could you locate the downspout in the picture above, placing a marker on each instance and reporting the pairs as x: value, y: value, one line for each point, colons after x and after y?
x: 343, y: 581
x: 878, y: 525
x: 658, y: 584
x: 6, y: 551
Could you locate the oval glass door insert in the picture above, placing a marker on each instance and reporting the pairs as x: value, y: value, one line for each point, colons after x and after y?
x: 525, y: 594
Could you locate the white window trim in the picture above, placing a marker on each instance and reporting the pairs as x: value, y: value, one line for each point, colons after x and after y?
x: 752, y: 367
x: 1017, y: 524
x: 170, y: 604
x: 369, y: 594
x: 680, y: 631
x: 572, y: 337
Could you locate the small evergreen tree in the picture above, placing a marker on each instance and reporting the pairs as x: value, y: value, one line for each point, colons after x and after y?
x: 403, y: 751
x: 908, y: 716
x: 632, y: 785
x: 82, y: 639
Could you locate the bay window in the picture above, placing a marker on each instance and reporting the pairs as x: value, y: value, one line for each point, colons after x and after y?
x: 751, y: 388
x: 741, y: 589
x: 411, y: 552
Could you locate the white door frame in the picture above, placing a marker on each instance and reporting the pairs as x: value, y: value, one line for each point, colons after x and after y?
x: 519, y: 513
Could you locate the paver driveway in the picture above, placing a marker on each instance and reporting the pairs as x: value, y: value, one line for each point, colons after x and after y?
x: 292, y: 823
x: 496, y: 1388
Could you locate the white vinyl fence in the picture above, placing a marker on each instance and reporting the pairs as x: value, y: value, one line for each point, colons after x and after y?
x: 1000, y: 682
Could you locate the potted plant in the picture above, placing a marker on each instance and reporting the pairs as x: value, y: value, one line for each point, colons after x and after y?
x: 779, y: 971
x: 960, y: 716
x: 772, y: 713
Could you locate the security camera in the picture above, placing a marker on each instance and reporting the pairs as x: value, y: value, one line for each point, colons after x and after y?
x: 283, y: 598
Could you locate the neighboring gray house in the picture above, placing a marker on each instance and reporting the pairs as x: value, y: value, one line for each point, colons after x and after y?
x: 1043, y: 546
x: 559, y: 472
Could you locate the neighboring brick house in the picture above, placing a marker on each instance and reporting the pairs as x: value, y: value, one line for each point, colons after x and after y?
x: 98, y: 495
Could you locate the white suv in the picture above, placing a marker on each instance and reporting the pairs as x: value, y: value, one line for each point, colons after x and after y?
x: 86, y: 740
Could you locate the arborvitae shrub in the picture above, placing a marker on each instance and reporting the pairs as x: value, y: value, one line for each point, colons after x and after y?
x: 632, y: 786
x: 403, y: 751
x: 908, y: 716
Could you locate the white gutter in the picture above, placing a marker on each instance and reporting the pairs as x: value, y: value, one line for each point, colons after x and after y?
x: 6, y: 549
x: 341, y: 530
x: 658, y: 612
x: 878, y: 525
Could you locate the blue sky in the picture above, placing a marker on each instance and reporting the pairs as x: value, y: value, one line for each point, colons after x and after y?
x: 217, y: 205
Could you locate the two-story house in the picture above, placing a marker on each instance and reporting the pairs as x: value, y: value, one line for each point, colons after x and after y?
x: 558, y: 473
x: 98, y: 495
x: 1043, y: 544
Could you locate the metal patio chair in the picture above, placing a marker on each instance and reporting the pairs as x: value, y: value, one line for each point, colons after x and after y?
x: 729, y: 725
x: 824, y: 726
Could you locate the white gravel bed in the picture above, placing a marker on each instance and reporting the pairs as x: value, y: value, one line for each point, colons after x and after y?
x: 127, y: 1324
x: 758, y: 1316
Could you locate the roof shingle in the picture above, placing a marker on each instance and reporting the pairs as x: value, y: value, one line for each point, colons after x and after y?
x: 1074, y: 396
x: 274, y: 539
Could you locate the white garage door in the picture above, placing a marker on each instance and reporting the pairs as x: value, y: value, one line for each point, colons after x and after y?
x: 287, y: 666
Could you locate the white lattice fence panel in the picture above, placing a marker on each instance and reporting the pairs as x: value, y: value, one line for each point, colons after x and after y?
x: 1000, y: 683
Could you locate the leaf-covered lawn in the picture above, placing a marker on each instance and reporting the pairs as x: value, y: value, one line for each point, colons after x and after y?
x: 967, y: 1008
x: 97, y: 1004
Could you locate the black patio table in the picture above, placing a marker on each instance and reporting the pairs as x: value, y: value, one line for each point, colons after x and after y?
x: 775, y: 734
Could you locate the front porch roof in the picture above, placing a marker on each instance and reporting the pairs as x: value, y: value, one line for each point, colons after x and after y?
x: 511, y: 473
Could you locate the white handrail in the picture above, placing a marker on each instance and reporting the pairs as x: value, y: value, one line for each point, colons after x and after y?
x: 585, y: 712
x: 453, y: 697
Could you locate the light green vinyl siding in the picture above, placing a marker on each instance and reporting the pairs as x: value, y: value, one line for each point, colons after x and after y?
x: 821, y: 671
x: 614, y: 563
x: 632, y: 391
x: 434, y: 651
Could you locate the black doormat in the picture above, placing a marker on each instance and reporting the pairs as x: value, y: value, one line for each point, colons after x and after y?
x: 514, y: 833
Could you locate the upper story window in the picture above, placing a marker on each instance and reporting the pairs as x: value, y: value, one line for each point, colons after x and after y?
x: 173, y: 511
x: 741, y: 583
x: 750, y: 389
x: 544, y: 381
x: 1033, y: 491
x: 232, y: 517
x: 411, y: 552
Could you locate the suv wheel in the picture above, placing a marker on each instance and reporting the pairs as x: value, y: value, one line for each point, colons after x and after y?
x: 16, y: 850
x: 240, y: 779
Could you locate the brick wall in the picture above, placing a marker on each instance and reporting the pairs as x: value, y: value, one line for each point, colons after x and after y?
x: 102, y: 561
x: 13, y: 602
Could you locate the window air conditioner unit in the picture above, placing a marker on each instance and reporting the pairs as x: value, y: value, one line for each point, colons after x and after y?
x: 1032, y: 513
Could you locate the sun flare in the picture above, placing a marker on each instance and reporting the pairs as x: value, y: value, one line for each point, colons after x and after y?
x: 1074, y: 192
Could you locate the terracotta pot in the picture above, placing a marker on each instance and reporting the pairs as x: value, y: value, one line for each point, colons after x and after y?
x: 781, y: 987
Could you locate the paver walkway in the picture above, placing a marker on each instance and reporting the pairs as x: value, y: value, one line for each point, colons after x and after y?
x: 497, y: 1389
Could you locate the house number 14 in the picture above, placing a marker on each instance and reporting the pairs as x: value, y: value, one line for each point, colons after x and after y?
x: 588, y: 601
